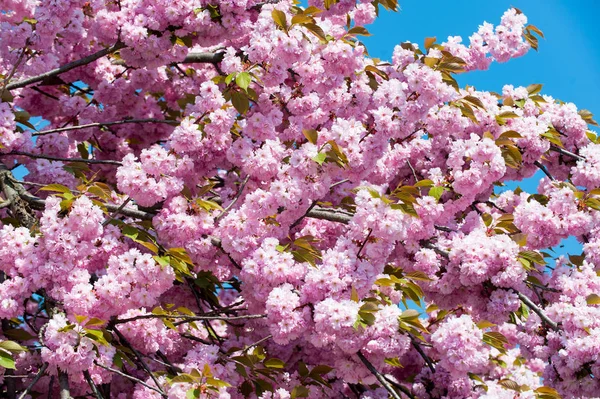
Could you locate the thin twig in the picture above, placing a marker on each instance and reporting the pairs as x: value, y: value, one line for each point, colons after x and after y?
x: 101, y: 124
x: 378, y: 375
x: 260, y: 341
x: 529, y: 303
x: 193, y: 58
x: 297, y: 221
x: 88, y: 379
x: 364, y: 243
x: 544, y: 169
x: 565, y: 152
x: 402, y: 388
x: 52, y: 158
x: 125, y: 342
x: 194, y: 338
x: 63, y: 381
x: 232, y: 203
x: 116, y: 212
x: 541, y: 287
x: 435, y: 249
x: 34, y: 381
x: 413, y: 171
x: 188, y: 319
x: 12, y: 72
x: 423, y: 354
x: 130, y: 377
x: 67, y: 67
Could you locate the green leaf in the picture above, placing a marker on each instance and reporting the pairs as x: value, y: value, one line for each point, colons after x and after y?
x: 320, y: 158
x: 240, y: 102
x: 436, y: 192
x: 300, y: 391
x: 474, y: 101
x: 192, y: 393
x: 393, y: 361
x: 429, y: 42
x: 359, y: 30
x: 496, y: 340
x: 12, y: 346
x: 354, y: 295
x: 280, y: 19
x: 183, y: 378
x: 409, y: 314
x: 534, y: 89
x: 588, y: 117
x: 316, y: 30
x: 274, y: 363
x: 321, y: 369
x: 546, y: 393
x: 593, y: 299
x: 6, y: 360
x: 243, y: 80
x: 510, y: 384
x: 311, y: 135
x: 424, y: 183
x: 56, y: 187
x: 230, y: 78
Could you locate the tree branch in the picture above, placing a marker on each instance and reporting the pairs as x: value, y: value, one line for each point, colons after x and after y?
x: 51, y: 158
x: 544, y: 169
x: 378, y: 375
x: 67, y: 67
x: 63, y: 381
x: 529, y: 303
x: 192, y: 58
x: 423, y: 354
x: 565, y: 152
x: 129, y: 377
x: 232, y: 203
x: 39, y: 374
x: 125, y: 342
x: 102, y: 124
x: 188, y: 319
x: 88, y: 379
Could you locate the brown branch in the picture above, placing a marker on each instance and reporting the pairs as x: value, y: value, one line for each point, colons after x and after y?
x: 51, y: 158
x: 565, y: 152
x: 378, y: 375
x: 140, y: 358
x: 232, y: 203
x: 129, y: 377
x: 544, y: 169
x: 34, y: 381
x: 423, y: 354
x: 116, y: 212
x: 260, y: 341
x: 400, y: 387
x: 88, y: 379
x: 333, y: 215
x: 102, y: 124
x: 12, y: 72
x: 529, y: 303
x: 63, y: 381
x: 435, y: 249
x: 192, y: 58
x: 188, y: 319
x: 67, y: 67
x: 364, y: 243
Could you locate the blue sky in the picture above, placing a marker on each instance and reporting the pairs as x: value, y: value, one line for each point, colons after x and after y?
x: 567, y: 62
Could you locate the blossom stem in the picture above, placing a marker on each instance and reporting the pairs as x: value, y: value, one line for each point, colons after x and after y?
x: 67, y: 67
x: 37, y: 377
x: 378, y: 375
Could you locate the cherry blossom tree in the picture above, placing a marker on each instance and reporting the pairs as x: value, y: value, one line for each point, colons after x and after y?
x: 233, y: 200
